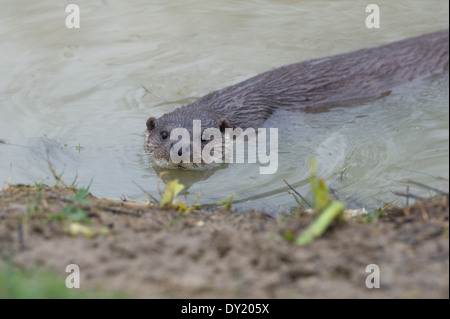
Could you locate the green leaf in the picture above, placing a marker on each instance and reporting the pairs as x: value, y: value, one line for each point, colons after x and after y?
x: 226, y: 202
x: 170, y: 191
x: 81, y: 196
x: 75, y: 228
x: 319, y: 189
x: 321, y: 223
x: 78, y: 215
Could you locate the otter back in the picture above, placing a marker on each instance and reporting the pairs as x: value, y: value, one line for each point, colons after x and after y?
x: 339, y: 79
x: 310, y: 85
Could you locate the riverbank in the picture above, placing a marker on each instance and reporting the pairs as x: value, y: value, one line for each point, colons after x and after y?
x: 150, y: 252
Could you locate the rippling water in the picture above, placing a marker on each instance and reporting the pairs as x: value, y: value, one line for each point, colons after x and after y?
x: 82, y: 95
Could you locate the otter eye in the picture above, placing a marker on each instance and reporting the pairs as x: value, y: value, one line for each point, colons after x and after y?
x: 164, y: 135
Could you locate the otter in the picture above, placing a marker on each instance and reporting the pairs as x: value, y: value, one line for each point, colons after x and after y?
x: 310, y: 85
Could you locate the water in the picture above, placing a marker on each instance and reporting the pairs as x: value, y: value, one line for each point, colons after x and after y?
x: 80, y: 97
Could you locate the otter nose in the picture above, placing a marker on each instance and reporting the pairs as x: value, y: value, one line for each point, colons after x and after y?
x: 181, y: 148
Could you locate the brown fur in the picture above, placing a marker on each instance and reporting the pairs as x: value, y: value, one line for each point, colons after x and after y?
x: 340, y: 79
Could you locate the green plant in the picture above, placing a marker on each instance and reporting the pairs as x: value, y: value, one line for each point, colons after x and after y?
x: 168, y: 200
x: 76, y: 210
x: 172, y: 189
x: 374, y: 216
x: 18, y: 284
x: 324, y: 207
x: 226, y: 202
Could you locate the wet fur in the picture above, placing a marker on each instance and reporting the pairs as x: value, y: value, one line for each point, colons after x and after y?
x: 336, y: 80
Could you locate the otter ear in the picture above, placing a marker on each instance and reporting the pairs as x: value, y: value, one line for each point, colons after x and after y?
x: 151, y: 122
x: 223, y: 124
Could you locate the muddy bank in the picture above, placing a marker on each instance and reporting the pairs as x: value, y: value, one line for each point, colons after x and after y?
x: 158, y: 253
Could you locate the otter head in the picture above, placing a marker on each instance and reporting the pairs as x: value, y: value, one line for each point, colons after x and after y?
x: 180, y: 139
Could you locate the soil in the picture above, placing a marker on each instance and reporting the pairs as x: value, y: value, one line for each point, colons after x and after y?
x: 148, y: 252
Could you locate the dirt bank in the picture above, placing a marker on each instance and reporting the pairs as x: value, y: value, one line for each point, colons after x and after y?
x: 150, y: 252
